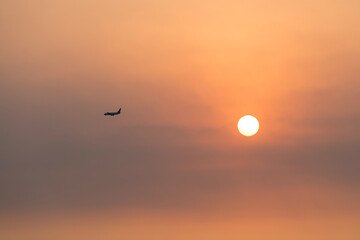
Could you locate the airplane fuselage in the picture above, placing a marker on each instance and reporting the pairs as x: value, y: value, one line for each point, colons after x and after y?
x: 112, y: 113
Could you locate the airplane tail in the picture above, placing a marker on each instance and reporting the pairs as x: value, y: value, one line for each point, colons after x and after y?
x: 119, y: 110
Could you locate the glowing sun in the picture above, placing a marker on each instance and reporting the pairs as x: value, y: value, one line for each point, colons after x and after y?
x: 248, y: 125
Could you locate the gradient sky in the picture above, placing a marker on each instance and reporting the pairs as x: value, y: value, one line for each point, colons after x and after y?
x: 173, y: 165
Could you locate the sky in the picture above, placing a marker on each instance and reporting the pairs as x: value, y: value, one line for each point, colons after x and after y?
x: 173, y: 165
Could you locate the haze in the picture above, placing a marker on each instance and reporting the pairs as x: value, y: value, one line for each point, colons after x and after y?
x: 173, y: 165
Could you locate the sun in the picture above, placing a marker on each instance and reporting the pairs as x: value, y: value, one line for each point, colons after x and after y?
x: 248, y: 125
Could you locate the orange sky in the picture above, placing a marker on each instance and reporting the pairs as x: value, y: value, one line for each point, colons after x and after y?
x: 173, y: 165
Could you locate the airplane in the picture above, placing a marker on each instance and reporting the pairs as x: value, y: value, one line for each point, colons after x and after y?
x: 112, y: 113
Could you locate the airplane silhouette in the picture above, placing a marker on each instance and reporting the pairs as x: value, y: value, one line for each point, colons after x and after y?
x: 112, y: 113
